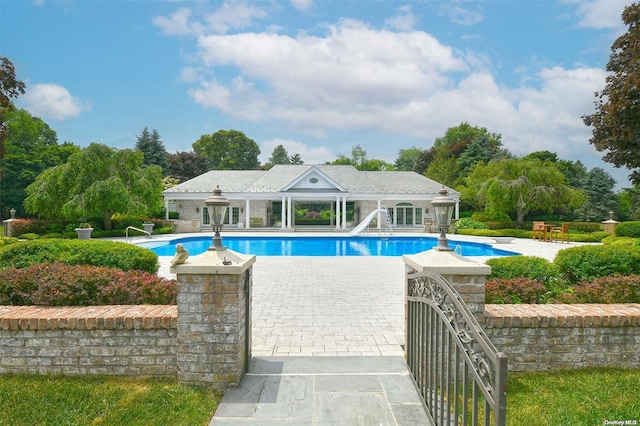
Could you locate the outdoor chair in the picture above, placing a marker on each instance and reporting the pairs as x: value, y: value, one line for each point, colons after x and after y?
x: 561, y: 233
x: 538, y: 231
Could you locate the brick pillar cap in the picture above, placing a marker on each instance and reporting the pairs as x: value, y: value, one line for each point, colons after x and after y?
x: 213, y: 262
x: 445, y: 263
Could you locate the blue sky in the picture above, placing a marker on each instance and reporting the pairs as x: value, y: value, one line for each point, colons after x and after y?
x: 318, y: 77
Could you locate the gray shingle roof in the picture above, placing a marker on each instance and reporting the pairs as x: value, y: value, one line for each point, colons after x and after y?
x: 278, y: 177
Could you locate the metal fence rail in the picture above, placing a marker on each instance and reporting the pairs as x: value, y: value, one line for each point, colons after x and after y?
x: 459, y: 374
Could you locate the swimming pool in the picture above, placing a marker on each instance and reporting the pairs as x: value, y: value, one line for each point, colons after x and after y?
x: 324, y: 246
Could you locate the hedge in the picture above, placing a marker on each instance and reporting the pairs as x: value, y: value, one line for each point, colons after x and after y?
x: 57, y: 284
x: 109, y: 254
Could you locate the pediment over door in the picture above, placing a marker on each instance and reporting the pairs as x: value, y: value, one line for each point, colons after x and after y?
x: 313, y: 180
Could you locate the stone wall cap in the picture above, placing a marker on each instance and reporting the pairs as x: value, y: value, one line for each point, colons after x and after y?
x: 215, y: 262
x: 445, y: 263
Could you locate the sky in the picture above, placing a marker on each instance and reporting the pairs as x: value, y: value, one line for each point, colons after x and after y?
x: 318, y: 77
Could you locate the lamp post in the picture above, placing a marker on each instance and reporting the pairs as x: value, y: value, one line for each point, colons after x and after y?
x: 217, y: 207
x: 443, y: 206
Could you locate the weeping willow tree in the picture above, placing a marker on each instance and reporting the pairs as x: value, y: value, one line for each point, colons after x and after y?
x: 517, y: 187
x: 98, y: 181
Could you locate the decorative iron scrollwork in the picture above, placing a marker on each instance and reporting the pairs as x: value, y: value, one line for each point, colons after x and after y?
x: 443, y: 298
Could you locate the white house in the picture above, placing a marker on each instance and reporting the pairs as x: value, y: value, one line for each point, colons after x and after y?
x: 295, y: 196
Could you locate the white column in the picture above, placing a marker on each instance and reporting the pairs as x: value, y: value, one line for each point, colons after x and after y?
x: 457, y: 213
x: 247, y: 213
x: 338, y: 213
x: 283, y: 213
x: 344, y: 212
x: 290, y: 214
x: 379, y: 215
x: 166, y: 209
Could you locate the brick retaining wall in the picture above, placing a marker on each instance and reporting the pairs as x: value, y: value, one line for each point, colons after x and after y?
x: 111, y: 340
x: 141, y: 340
x: 549, y: 337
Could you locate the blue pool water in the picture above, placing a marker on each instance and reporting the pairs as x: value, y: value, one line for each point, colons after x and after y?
x: 324, y: 246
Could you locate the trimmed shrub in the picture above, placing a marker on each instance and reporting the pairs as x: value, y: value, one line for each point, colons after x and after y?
x: 512, y: 267
x: 517, y: 290
x: 585, y: 263
x: 109, y: 254
x: 28, y: 236
x: 8, y: 240
x: 587, y: 227
x: 57, y: 284
x: 468, y: 223
x: 628, y: 229
x: 612, y: 289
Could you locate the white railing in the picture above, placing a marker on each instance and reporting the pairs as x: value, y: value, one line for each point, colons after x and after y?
x: 126, y: 234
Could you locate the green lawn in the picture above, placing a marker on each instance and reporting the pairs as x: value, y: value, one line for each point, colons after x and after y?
x: 57, y: 400
x: 573, y: 397
x: 579, y: 397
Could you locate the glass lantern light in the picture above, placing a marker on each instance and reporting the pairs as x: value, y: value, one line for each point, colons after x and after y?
x: 443, y: 206
x: 217, y: 207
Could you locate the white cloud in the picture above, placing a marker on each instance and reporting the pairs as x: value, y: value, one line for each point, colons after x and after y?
x: 302, y: 5
x: 230, y: 15
x: 52, y: 101
x: 310, y: 155
x: 404, y: 19
x: 461, y: 15
x: 177, y: 24
x: 345, y: 79
x: 600, y: 14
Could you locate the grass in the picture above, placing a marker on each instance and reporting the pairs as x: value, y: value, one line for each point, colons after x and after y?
x: 89, y: 400
x: 573, y: 397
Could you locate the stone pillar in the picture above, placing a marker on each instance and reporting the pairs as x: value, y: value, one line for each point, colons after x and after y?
x: 466, y: 276
x: 214, y: 318
x: 610, y: 225
x: 8, y: 229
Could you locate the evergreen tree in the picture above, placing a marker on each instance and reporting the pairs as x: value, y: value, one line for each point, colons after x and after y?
x: 279, y: 156
x: 296, y: 159
x: 153, y: 149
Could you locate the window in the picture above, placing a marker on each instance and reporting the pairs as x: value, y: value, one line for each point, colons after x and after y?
x: 405, y: 214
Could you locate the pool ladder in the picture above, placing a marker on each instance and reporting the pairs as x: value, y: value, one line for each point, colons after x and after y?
x: 126, y: 233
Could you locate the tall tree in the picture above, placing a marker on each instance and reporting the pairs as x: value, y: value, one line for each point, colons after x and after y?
x: 407, y: 159
x: 185, y: 165
x: 97, y: 182
x: 31, y: 147
x: 229, y: 150
x: 467, y: 145
x: 517, y: 187
x: 153, y: 149
x: 598, y: 187
x: 10, y: 87
x: 616, y: 122
x: 279, y: 156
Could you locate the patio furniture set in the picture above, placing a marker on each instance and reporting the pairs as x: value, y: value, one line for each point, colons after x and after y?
x: 550, y: 232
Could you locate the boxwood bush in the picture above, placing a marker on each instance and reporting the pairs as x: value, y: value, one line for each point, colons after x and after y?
x: 628, y: 229
x: 531, y: 267
x: 109, y: 254
x: 585, y: 263
x: 57, y: 284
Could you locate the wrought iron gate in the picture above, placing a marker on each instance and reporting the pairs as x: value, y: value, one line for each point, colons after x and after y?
x: 459, y: 374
